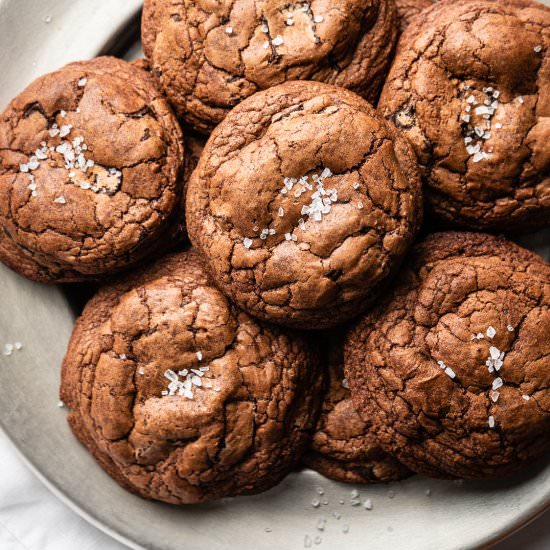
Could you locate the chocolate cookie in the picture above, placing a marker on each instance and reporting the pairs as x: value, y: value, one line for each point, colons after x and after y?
x: 180, y: 396
x: 407, y: 9
x: 209, y: 56
x: 297, y: 226
x: 469, y: 87
x: 91, y: 161
x: 343, y: 447
x: 453, y: 367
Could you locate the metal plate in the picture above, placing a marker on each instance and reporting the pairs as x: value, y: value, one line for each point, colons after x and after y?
x: 453, y: 516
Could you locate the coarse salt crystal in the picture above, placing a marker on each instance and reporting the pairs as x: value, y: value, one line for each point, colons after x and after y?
x: 510, y: 328
x: 60, y: 200
x: 537, y: 48
x: 321, y: 524
x: 356, y: 185
x: 315, y: 503
x: 494, y: 395
x: 141, y: 371
x: 345, y: 383
x: 465, y: 118
x: 229, y: 30
x: 367, y: 505
x: 519, y: 99
x: 354, y: 493
x: 247, y: 242
x: 82, y: 82
x: 450, y: 372
x: 289, y: 22
x: 281, y: 212
x: 491, y: 422
x: 491, y: 332
x: 318, y: 19
x: 471, y: 99
x: 526, y: 397
x: 497, y: 383
x: 199, y: 355
x: 18, y: 346
x: 60, y: 404
x: 278, y: 40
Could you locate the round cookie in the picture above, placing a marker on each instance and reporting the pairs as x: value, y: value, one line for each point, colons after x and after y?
x: 180, y: 396
x: 470, y: 88
x: 343, y: 447
x: 297, y: 227
x: 452, y: 368
x: 91, y: 160
x: 407, y: 9
x: 210, y: 56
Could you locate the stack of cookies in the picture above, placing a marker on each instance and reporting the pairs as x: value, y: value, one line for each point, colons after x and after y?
x: 282, y: 205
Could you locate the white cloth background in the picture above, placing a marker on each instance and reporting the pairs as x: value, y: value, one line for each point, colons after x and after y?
x: 32, y: 518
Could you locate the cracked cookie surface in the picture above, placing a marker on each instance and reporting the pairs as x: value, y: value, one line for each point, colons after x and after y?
x: 343, y: 446
x: 297, y: 227
x: 470, y: 89
x: 453, y: 367
x: 210, y: 56
x: 91, y: 161
x: 182, y: 397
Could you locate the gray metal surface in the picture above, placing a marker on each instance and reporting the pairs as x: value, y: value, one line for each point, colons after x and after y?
x: 452, y: 516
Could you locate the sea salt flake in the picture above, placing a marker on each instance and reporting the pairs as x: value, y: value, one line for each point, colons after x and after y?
x: 491, y: 422
x: 510, y: 328
x: 471, y: 99
x: 318, y: 19
x: 354, y: 493
x: 345, y: 383
x: 289, y: 22
x: 60, y: 200
x: 450, y: 373
x: 229, y: 30
x: 247, y: 242
x: 199, y: 355
x: 494, y: 396
x: 367, y: 505
x: 537, y: 49
x: 82, y: 82
x: 491, y: 332
x: 278, y: 40
x: 497, y: 383
x: 281, y: 212
x: 18, y: 346
x: 60, y: 404
x: 141, y: 371
x: 315, y: 503
x: 525, y: 397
